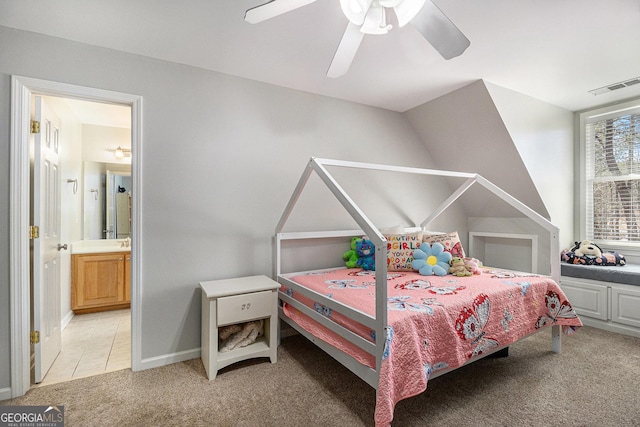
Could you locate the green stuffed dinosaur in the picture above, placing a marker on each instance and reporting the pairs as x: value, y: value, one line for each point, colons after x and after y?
x: 351, y: 256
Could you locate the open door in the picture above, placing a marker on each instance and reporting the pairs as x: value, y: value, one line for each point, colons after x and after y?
x: 46, y: 247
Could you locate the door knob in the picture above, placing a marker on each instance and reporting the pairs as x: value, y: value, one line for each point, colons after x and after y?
x: 60, y: 247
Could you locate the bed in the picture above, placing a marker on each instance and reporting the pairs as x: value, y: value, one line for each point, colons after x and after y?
x: 396, y: 330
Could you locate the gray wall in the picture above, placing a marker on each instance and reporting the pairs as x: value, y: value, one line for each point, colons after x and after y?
x: 521, y: 144
x: 464, y: 132
x: 543, y: 134
x: 221, y: 156
x: 5, y: 350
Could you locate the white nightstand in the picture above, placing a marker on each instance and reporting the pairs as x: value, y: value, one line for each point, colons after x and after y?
x: 234, y: 301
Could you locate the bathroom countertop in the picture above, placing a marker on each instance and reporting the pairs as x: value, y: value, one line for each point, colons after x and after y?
x: 99, y: 246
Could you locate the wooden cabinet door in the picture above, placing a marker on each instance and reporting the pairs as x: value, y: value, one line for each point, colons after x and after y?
x: 98, y: 280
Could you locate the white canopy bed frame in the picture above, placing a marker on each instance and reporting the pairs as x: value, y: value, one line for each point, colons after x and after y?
x: 378, y: 322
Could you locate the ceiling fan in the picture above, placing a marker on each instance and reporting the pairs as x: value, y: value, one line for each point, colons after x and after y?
x: 370, y: 17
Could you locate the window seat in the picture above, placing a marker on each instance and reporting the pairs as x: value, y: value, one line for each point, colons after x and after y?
x: 626, y: 274
x: 606, y: 297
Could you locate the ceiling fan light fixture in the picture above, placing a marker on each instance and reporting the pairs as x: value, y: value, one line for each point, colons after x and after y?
x: 375, y: 21
x: 355, y: 10
x: 370, y: 17
x: 371, y: 14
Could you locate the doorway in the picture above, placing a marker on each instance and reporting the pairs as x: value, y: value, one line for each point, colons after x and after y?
x: 22, y: 90
x: 89, y: 135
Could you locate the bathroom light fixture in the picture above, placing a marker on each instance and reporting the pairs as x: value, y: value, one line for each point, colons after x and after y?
x: 120, y: 153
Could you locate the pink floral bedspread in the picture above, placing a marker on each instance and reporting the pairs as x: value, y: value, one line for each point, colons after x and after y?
x: 434, y: 322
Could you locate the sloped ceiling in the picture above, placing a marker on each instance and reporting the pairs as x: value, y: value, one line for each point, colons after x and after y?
x: 554, y: 51
x: 465, y: 132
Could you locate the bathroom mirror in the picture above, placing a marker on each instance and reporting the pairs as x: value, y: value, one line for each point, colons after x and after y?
x: 106, y: 201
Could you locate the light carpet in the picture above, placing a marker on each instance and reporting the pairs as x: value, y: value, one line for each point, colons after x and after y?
x: 595, y: 381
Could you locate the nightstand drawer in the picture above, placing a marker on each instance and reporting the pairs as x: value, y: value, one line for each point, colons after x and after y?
x: 245, y: 307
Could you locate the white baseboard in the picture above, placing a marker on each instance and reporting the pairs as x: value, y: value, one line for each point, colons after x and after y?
x: 5, y: 393
x: 610, y: 326
x: 66, y: 319
x: 168, y: 359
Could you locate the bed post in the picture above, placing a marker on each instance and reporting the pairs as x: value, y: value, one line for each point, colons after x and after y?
x: 556, y: 339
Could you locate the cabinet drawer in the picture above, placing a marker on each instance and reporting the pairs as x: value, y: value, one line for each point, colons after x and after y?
x: 241, y: 308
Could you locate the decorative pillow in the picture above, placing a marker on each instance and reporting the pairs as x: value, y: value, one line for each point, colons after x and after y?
x: 431, y: 259
x: 607, y: 258
x: 400, y: 249
x: 450, y: 241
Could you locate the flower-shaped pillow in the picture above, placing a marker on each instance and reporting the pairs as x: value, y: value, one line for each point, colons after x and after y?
x: 431, y: 259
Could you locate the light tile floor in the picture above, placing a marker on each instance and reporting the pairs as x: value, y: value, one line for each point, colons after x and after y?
x: 93, y: 344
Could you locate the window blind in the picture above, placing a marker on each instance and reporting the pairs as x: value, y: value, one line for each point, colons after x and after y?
x: 613, y: 177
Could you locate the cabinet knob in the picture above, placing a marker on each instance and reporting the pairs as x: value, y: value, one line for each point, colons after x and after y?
x: 61, y: 247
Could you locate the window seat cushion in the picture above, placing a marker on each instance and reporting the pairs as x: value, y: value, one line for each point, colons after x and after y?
x: 627, y: 274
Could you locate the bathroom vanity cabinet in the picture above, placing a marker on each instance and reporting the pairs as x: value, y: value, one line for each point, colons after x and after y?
x: 100, y: 281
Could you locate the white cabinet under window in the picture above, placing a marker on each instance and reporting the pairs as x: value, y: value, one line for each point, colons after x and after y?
x: 611, y: 306
x: 625, y: 305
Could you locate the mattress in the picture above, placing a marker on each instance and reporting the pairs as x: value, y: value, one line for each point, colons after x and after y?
x: 434, y: 323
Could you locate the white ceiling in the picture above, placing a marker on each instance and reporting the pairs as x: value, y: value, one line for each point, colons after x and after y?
x: 93, y: 113
x: 553, y: 50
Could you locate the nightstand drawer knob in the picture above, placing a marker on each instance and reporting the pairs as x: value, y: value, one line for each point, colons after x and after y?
x: 246, y: 306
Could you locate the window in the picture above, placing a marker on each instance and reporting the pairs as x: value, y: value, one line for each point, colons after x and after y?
x: 611, y: 139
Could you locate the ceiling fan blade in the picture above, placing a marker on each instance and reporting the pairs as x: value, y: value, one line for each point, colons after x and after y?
x: 406, y: 10
x: 346, y: 51
x: 443, y: 35
x: 272, y: 9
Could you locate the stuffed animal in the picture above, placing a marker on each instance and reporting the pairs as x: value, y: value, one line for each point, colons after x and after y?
x: 351, y: 256
x: 473, y: 265
x: 237, y: 336
x: 458, y: 267
x: 587, y: 248
x: 366, y: 254
x: 588, y: 253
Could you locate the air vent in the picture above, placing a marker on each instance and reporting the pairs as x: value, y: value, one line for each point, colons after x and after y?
x: 615, y: 86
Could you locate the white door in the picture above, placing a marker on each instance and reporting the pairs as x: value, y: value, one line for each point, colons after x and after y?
x: 46, y: 255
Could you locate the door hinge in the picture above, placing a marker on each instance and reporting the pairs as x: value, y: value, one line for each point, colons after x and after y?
x: 35, y: 337
x: 34, y: 232
x: 35, y: 126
